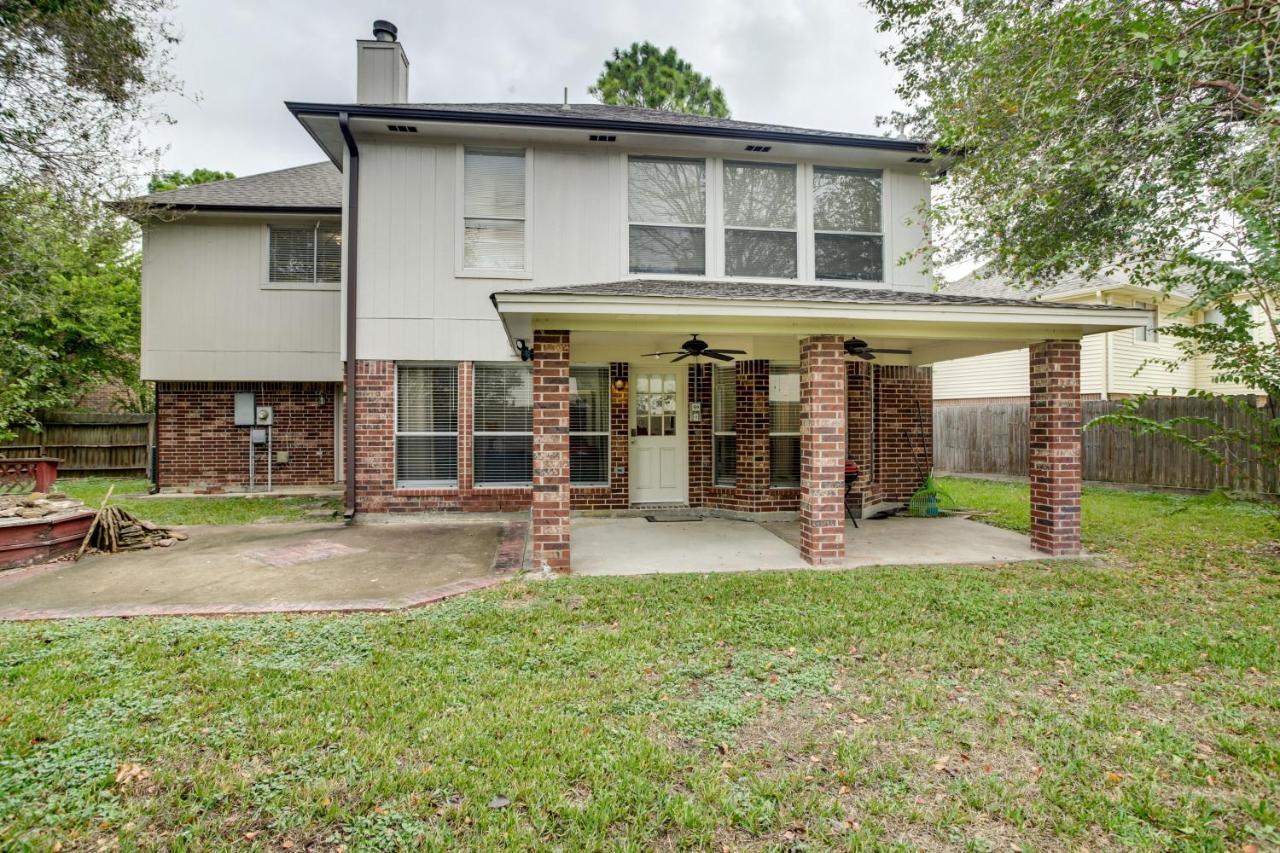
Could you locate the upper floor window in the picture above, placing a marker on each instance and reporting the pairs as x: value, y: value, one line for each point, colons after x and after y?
x: 760, y: 220
x: 493, y: 218
x: 848, y: 240
x: 667, y: 215
x: 305, y: 254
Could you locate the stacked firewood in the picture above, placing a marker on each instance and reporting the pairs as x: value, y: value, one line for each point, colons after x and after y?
x: 115, y: 529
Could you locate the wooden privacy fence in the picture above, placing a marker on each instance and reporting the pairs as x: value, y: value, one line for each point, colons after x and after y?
x: 992, y: 439
x: 88, y: 444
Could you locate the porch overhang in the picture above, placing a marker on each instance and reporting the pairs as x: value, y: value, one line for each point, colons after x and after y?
x: 935, y: 327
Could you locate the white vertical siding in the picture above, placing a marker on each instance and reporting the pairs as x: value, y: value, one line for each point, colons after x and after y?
x: 207, y: 316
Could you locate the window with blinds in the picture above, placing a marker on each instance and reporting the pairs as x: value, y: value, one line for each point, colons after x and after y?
x: 784, y: 425
x: 307, y: 254
x: 760, y: 220
x: 503, y: 425
x: 426, y: 425
x: 493, y: 209
x: 848, y: 240
x: 724, y: 413
x: 667, y: 212
x: 588, y: 425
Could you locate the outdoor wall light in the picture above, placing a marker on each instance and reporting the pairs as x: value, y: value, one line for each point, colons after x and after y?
x: 620, y: 385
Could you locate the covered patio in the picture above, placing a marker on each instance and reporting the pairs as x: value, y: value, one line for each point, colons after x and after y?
x: 819, y: 377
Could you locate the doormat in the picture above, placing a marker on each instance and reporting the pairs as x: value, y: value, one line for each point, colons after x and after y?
x: 303, y: 552
x: 673, y: 516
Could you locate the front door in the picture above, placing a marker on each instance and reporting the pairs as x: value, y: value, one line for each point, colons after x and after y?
x: 659, y: 434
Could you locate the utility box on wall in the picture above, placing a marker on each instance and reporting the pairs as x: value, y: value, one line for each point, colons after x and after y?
x: 246, y: 409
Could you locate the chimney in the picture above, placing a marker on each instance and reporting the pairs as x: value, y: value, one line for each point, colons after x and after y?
x: 382, y: 69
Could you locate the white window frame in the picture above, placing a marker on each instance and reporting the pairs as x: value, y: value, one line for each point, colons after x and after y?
x: 315, y: 222
x: 607, y: 433
x: 801, y: 204
x: 708, y: 233
x: 732, y: 370
x: 460, y: 215
x: 785, y: 434
x: 505, y: 484
x: 448, y: 485
x: 814, y: 230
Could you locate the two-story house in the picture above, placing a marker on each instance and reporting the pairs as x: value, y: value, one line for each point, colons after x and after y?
x: 505, y: 307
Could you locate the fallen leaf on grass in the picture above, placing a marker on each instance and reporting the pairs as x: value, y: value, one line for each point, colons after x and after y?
x: 499, y: 802
x: 1114, y: 778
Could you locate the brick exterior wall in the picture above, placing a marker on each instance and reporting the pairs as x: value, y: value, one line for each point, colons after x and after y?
x: 550, y: 523
x: 904, y: 430
x: 823, y: 385
x: 1055, y: 449
x: 198, y: 443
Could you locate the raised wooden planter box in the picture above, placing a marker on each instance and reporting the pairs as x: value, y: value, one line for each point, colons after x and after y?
x: 34, y: 540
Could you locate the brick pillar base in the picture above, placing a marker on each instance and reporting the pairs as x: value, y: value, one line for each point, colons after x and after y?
x: 822, y: 449
x: 1055, y: 447
x: 550, y: 528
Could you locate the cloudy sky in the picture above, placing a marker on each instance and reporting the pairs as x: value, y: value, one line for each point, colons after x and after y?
x: 811, y: 63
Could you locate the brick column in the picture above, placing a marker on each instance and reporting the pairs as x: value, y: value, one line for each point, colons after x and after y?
x: 751, y: 482
x: 822, y: 449
x: 550, y: 526
x: 1054, y: 458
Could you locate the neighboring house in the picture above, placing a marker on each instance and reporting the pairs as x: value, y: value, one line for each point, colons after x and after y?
x: 1113, y: 365
x: 456, y: 310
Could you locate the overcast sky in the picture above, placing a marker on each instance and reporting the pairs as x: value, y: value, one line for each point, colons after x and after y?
x: 812, y: 64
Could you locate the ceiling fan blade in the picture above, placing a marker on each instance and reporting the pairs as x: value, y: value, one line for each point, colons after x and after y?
x: 680, y: 357
x: 718, y: 355
x: 865, y: 355
x: 893, y: 351
x: 731, y: 351
x: 657, y: 354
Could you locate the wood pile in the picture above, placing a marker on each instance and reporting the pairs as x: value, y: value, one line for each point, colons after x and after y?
x: 115, y: 529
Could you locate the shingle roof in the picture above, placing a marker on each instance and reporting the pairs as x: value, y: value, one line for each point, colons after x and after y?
x: 785, y: 293
x: 316, y: 186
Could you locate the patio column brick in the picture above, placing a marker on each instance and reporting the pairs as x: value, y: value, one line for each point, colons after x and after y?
x: 550, y: 527
x: 822, y: 449
x: 1055, y: 447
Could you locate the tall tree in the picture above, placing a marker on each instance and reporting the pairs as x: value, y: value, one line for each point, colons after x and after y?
x: 162, y: 181
x: 646, y: 76
x: 1138, y: 135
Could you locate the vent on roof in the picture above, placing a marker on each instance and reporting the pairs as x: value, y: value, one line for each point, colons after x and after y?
x: 402, y: 128
x: 919, y: 159
x: 759, y: 149
x: 602, y: 137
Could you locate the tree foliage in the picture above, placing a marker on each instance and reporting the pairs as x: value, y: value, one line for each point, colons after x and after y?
x: 163, y: 181
x: 1139, y: 136
x: 646, y: 76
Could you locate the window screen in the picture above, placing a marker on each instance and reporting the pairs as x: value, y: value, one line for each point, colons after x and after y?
x: 426, y: 425
x: 784, y: 425
x: 760, y: 220
x: 503, y: 425
x: 493, y: 209
x: 308, y: 254
x: 848, y: 240
x: 724, y: 412
x: 667, y: 211
x: 588, y: 425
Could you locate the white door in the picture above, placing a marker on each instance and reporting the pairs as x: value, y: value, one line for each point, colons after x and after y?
x: 659, y: 434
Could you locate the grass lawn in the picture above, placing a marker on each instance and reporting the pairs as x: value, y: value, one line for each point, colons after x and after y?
x: 1133, y: 701
x: 192, y: 510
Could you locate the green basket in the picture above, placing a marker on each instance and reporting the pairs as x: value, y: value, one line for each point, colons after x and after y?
x: 929, y: 501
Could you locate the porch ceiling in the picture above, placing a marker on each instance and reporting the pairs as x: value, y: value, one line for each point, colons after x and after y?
x: 621, y: 320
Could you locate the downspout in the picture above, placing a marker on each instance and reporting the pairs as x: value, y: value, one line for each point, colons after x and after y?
x: 353, y: 228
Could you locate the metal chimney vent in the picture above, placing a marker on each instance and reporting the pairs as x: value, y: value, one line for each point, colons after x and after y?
x: 384, y: 31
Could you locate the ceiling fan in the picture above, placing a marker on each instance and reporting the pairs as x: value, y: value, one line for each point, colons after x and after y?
x: 859, y: 348
x: 694, y: 347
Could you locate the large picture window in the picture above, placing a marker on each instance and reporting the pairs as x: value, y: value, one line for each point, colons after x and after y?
x: 667, y: 215
x: 502, y: 403
x: 848, y: 240
x: 724, y: 414
x: 307, y: 254
x: 760, y: 220
x: 589, y: 425
x: 426, y: 425
x: 784, y: 425
x: 493, y: 210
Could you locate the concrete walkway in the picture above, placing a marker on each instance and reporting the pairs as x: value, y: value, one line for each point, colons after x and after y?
x: 271, y: 568
x: 634, y: 546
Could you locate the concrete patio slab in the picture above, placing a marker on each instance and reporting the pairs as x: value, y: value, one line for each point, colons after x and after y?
x: 269, y: 568
x: 632, y: 546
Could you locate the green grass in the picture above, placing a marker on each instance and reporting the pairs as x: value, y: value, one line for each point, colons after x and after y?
x: 1132, y: 700
x: 193, y: 510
